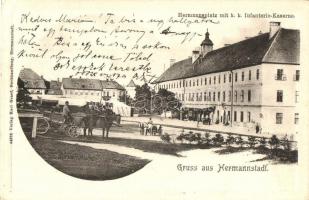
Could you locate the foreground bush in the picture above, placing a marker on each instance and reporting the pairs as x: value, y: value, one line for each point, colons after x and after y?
x: 230, y: 140
x: 239, y: 141
x: 262, y: 142
x: 252, y: 141
x: 274, y: 142
x: 207, y: 139
x: 166, y: 138
x: 286, y: 144
x: 218, y: 139
x: 190, y: 137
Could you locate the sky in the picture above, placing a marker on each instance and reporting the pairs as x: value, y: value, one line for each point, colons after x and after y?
x: 228, y: 31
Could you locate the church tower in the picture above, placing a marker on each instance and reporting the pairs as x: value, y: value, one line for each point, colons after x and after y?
x: 206, y: 45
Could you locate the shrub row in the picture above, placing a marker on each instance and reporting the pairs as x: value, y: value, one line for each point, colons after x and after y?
x: 218, y: 140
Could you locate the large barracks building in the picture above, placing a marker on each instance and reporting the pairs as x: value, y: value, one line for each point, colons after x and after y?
x: 248, y: 83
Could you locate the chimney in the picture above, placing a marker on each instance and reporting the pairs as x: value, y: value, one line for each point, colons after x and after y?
x: 172, y: 61
x: 70, y: 76
x: 42, y: 77
x: 260, y: 33
x: 273, y: 28
x: 227, y: 45
x: 58, y: 80
x: 195, y: 55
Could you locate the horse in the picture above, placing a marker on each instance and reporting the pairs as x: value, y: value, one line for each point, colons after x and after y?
x: 105, y: 122
x: 89, y: 123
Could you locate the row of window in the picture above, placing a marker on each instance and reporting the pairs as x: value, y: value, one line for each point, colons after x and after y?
x: 217, y: 79
x: 210, y: 80
x: 216, y: 96
x: 105, y: 93
x: 280, y: 76
x: 279, y: 118
x: 280, y: 96
x: 241, y: 117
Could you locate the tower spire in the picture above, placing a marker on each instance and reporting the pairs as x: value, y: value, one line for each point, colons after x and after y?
x: 207, y: 44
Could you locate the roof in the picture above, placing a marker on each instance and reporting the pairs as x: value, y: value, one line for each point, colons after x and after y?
x: 31, y: 79
x: 131, y: 84
x: 111, y: 85
x: 27, y: 74
x: 177, y: 71
x: 90, y: 84
x: 282, y: 48
x: 55, y: 85
x: 55, y: 88
x: 81, y: 84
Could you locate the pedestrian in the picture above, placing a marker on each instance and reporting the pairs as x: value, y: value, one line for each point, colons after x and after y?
x: 160, y: 130
x: 89, y: 119
x: 141, y: 126
x: 149, y: 126
x: 66, y: 113
x: 257, y: 128
x: 108, y: 121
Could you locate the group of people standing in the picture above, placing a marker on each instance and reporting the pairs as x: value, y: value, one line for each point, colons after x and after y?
x: 150, y: 128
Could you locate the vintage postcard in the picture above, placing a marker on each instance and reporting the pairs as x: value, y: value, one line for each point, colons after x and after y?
x: 154, y: 100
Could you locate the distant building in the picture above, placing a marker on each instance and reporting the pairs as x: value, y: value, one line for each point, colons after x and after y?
x: 248, y: 83
x: 91, y: 89
x: 34, y: 83
x: 54, y: 88
x: 112, y: 89
x: 131, y: 89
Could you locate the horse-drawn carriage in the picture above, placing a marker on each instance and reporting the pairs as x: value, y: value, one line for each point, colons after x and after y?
x: 81, y: 121
x: 149, y: 128
x: 73, y: 127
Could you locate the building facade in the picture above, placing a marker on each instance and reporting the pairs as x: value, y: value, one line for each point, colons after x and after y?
x: 251, y: 83
x: 91, y: 89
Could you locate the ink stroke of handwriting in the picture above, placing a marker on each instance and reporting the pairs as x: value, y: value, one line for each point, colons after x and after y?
x: 105, y: 46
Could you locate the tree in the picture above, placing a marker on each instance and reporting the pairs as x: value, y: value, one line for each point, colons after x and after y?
x: 165, y: 100
x: 143, y: 98
x: 22, y: 95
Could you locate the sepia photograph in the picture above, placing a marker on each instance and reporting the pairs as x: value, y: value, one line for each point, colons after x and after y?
x: 210, y: 101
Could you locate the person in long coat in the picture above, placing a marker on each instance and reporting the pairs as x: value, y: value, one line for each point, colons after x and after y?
x: 89, y: 120
x: 107, y: 121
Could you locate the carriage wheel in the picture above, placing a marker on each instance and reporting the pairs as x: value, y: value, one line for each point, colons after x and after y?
x: 42, y: 126
x: 74, y: 131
